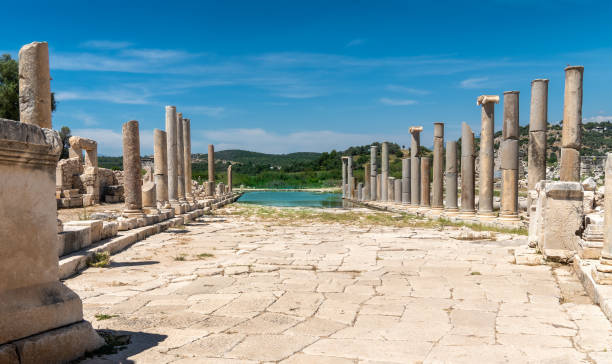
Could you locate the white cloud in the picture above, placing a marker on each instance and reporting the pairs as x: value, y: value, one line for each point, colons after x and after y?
x: 476, y: 82
x: 397, y: 102
x: 408, y: 90
x: 355, y: 42
x: 105, y: 44
x: 597, y: 119
x: 113, y: 96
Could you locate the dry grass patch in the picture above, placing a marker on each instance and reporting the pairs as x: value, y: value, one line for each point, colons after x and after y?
x: 99, y: 260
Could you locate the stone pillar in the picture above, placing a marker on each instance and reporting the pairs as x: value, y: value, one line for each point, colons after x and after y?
x: 379, y: 187
x: 35, y: 85
x: 405, y: 181
x: 229, y: 178
x: 538, y: 117
x: 149, y: 198
x: 373, y: 184
x: 398, y: 190
x: 425, y: 192
x: 211, y: 167
x: 171, y: 155
x: 160, y: 167
x: 359, y: 191
x: 384, y: 171
x: 132, y: 183
x: 390, y: 189
x: 349, y: 172
x: 415, y: 166
x: 467, y: 170
x: 366, y: 182
x: 606, y: 251
x: 187, y: 158
x: 180, y: 157
x: 451, y: 177
x: 351, y: 187
x: 485, y: 201
x: 509, y: 150
x: 571, y: 137
x: 437, y: 202
x: 344, y: 178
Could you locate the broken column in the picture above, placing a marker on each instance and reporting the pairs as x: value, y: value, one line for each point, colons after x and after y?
x: 373, y: 184
x: 35, y: 85
x: 390, y: 189
x: 467, y: 170
x: 40, y: 318
x: 451, y: 177
x: 571, y: 137
x: 211, y: 169
x: 180, y: 157
x: 171, y: 155
x: 425, y: 192
x: 405, y: 181
x: 160, y: 167
x: 437, y: 202
x: 509, y: 150
x: 131, y: 170
x: 485, y: 193
x: 415, y: 165
x: 603, y: 271
x: 538, y: 117
x: 384, y: 171
x: 398, y: 191
x: 187, y: 158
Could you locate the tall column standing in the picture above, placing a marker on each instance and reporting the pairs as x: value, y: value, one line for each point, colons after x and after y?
x: 373, y: 185
x: 405, y: 181
x: 509, y: 156
x: 485, y: 201
x: 367, y: 181
x: 211, y: 168
x: 229, y: 178
x: 571, y: 136
x: 451, y: 177
x: 35, y: 85
x: 171, y: 154
x: 131, y: 170
x: 415, y: 165
x: 538, y: 117
x: 349, y: 172
x: 344, y: 180
x: 437, y: 202
x: 384, y: 171
x: 425, y: 189
x: 180, y: 158
x: 467, y: 170
x: 390, y: 189
x: 160, y: 167
x: 187, y: 158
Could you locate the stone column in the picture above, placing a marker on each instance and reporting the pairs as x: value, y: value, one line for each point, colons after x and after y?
x: 373, y: 184
x: 571, y: 137
x: 405, y: 181
x: 415, y: 166
x: 385, y: 171
x: 437, y: 202
x: 509, y: 156
x: 187, y: 158
x: 171, y: 154
x: 390, y: 189
x: 132, y: 183
x: 467, y: 170
x: 344, y: 178
x: 180, y: 157
x: 606, y: 251
x: 538, y: 117
x: 160, y: 167
x: 366, y: 182
x: 35, y: 85
x: 398, y: 190
x: 451, y: 177
x: 229, y: 178
x: 211, y: 168
x: 351, y: 187
x: 485, y: 202
x: 425, y: 192
x: 349, y: 172
x: 379, y: 187
x: 359, y: 191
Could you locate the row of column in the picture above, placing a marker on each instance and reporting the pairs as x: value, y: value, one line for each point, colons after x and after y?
x: 414, y: 186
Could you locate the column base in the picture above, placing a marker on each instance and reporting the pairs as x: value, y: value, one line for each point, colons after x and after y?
x: 602, y: 272
x: 486, y: 215
x: 133, y: 213
x: 464, y: 213
x: 509, y: 217
x: 451, y: 211
x: 151, y: 210
x: 437, y: 208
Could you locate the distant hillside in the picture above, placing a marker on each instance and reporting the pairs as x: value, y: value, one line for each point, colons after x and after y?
x: 247, y: 157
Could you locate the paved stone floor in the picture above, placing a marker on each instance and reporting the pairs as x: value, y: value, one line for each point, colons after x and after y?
x: 337, y: 293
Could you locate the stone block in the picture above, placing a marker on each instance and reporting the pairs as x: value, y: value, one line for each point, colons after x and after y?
x: 70, y: 193
x: 75, y: 238
x: 89, y: 199
x: 112, y: 199
x: 95, y: 227
x: 109, y: 229
x: 561, y: 215
x: 8, y: 354
x: 76, y: 202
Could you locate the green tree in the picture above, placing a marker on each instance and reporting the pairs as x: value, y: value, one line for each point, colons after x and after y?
x: 65, y: 135
x: 9, y: 89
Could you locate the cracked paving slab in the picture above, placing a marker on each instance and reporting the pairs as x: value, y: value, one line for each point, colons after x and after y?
x: 243, y: 289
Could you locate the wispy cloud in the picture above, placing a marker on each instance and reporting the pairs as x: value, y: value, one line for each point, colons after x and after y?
x: 212, y: 111
x: 597, y: 119
x: 397, y: 102
x: 114, y: 96
x: 105, y: 44
x: 476, y: 82
x: 355, y: 42
x: 408, y: 90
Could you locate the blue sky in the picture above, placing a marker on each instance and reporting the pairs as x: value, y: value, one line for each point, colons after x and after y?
x: 287, y: 76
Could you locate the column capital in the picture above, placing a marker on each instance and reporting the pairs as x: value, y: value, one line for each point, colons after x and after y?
x: 415, y: 129
x: 485, y: 99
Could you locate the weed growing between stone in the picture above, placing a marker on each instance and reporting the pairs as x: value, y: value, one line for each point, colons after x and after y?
x: 99, y: 260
